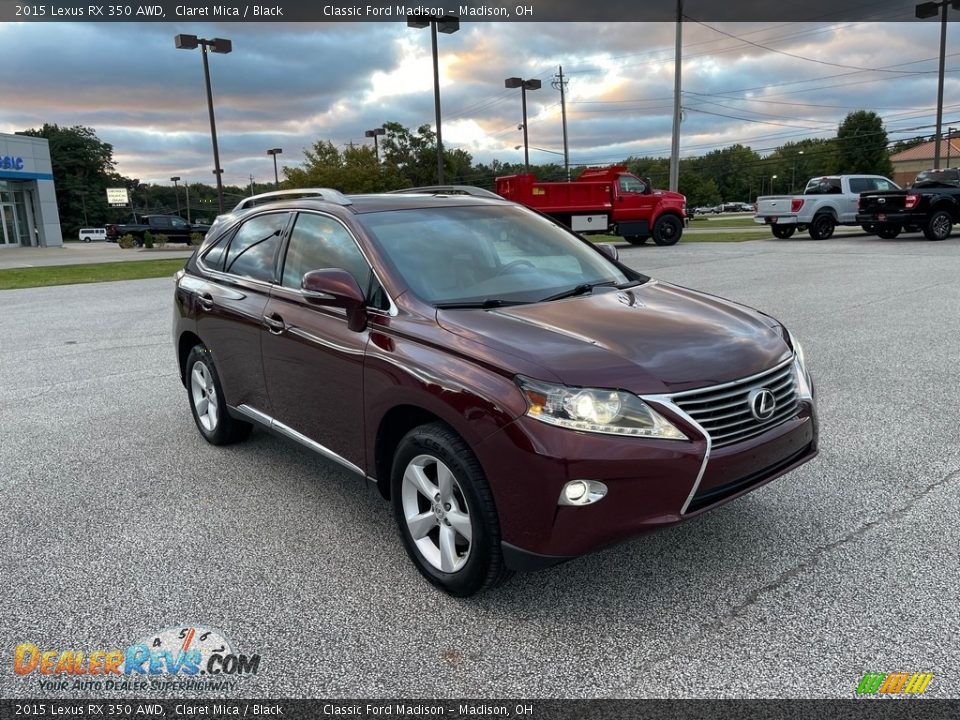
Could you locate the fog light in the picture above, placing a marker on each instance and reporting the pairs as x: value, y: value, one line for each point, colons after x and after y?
x: 582, y: 492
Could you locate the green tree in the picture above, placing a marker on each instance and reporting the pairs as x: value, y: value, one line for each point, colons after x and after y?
x: 414, y: 156
x: 862, y: 145
x: 353, y: 170
x: 82, y: 165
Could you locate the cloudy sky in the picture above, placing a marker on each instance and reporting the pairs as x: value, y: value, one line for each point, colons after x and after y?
x: 288, y: 85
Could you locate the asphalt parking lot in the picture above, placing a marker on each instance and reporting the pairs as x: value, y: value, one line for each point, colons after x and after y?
x: 118, y: 520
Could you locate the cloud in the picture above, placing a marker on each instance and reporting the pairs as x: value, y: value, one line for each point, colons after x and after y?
x: 289, y: 85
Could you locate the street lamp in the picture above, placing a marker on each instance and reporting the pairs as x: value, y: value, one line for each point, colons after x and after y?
x: 772, y: 178
x: 217, y: 45
x: 793, y: 183
x: 929, y: 10
x: 276, y: 178
x: 447, y: 24
x: 524, y: 85
x: 374, y: 133
x: 176, y: 193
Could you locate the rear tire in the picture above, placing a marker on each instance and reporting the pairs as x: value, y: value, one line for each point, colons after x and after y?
x: 783, y: 231
x: 822, y: 226
x: 207, y: 402
x: 667, y: 230
x: 938, y: 226
x: 86, y: 239
x: 636, y: 239
x: 445, y: 511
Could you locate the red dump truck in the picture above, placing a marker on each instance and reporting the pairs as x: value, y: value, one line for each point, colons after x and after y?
x: 603, y: 200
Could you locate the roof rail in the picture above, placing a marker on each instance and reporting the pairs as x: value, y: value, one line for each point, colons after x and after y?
x: 328, y: 194
x: 447, y: 190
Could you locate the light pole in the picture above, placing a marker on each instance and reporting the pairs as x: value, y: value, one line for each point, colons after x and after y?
x: 772, y: 178
x: 217, y: 45
x: 524, y: 85
x: 929, y: 10
x: 176, y: 193
x: 793, y: 182
x: 276, y: 178
x: 186, y: 187
x: 374, y: 133
x: 447, y: 24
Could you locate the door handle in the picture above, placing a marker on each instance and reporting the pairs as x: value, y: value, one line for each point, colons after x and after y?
x: 205, y: 300
x: 275, y: 323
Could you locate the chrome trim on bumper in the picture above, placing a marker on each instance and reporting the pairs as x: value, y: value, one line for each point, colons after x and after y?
x: 666, y: 401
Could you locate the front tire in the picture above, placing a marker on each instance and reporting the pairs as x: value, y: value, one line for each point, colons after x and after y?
x: 822, y: 227
x: 783, y: 231
x: 207, y: 402
x: 445, y: 511
x: 667, y: 230
x: 938, y: 226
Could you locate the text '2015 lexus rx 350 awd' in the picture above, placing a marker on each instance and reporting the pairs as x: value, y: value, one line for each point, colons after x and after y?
x: 519, y: 395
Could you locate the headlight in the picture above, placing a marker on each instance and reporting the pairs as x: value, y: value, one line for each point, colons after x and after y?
x: 800, y: 366
x: 612, y: 412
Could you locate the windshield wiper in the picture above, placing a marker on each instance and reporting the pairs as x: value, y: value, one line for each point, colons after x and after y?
x: 481, y: 304
x: 584, y: 288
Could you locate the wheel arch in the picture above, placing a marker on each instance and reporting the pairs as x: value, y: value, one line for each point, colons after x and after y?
x: 188, y: 340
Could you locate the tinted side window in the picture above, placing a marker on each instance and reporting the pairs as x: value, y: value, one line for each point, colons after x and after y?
x: 254, y: 247
x: 320, y: 242
x: 859, y: 185
x: 213, y: 258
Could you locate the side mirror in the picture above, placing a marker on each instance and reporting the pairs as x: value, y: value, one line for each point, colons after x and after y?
x: 336, y: 288
x: 609, y: 249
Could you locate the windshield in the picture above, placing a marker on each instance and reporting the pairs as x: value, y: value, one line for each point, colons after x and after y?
x: 449, y: 255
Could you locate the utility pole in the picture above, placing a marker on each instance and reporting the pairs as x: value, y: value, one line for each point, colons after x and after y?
x: 186, y: 187
x: 251, y: 185
x: 677, y: 66
x: 560, y: 84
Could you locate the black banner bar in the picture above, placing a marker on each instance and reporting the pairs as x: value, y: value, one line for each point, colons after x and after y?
x: 134, y: 709
x: 610, y: 11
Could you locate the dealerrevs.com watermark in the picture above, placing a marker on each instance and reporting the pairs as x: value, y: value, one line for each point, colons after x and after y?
x: 186, y: 658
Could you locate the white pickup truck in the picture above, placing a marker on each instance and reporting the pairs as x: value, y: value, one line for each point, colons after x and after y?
x: 826, y: 202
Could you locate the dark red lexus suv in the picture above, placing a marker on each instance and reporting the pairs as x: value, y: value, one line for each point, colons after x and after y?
x: 519, y: 395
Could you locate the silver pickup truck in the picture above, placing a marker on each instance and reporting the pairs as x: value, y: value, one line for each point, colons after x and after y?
x: 825, y: 203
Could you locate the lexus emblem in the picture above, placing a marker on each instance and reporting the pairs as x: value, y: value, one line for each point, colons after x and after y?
x: 762, y: 404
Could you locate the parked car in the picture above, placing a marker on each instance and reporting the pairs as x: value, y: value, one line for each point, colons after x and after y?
x: 173, y: 226
x: 92, y: 234
x: 932, y: 204
x: 519, y: 395
x: 825, y: 203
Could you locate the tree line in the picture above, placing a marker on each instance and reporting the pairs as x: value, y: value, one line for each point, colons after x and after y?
x: 83, y: 167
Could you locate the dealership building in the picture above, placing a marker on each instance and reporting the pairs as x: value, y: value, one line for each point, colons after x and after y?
x: 28, y: 205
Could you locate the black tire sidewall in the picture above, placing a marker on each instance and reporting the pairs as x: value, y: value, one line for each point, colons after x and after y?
x: 227, y: 429
x: 929, y: 232
x: 822, y: 227
x: 663, y: 220
x: 435, y: 440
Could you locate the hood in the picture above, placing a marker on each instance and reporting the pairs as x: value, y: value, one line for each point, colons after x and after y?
x: 653, y: 338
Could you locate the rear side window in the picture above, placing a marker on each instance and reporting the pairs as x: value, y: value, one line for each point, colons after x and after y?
x: 253, y: 250
x: 823, y: 186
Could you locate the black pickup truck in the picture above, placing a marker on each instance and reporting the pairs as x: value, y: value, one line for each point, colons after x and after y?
x: 173, y: 226
x: 931, y: 204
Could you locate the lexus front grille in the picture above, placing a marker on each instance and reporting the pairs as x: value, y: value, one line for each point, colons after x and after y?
x: 725, y: 411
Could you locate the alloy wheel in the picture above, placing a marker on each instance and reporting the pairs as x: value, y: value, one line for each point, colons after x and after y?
x: 204, y: 396
x: 436, y: 513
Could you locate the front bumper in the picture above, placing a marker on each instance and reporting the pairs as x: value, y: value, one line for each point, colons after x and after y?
x: 649, y: 482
